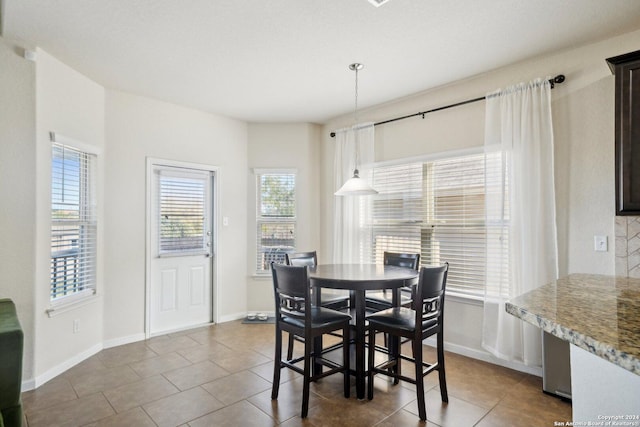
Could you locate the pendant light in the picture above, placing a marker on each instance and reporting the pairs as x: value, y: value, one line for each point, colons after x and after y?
x: 356, y: 186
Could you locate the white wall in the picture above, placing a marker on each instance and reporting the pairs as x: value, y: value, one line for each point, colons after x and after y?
x: 17, y: 188
x: 72, y: 105
x: 125, y: 129
x: 138, y: 128
x: 292, y: 146
x: 583, y: 114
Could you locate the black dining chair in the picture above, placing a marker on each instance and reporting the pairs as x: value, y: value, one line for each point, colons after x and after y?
x: 418, y: 323
x: 310, y: 259
x: 382, y: 300
x: 333, y: 301
x: 296, y: 315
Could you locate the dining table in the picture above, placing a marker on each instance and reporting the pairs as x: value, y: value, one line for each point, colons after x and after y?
x: 358, y: 279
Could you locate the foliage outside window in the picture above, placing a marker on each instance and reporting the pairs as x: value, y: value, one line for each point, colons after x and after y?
x: 275, y: 217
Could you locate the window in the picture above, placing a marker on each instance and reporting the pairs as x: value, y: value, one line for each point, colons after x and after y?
x: 435, y: 208
x: 183, y: 211
x: 276, y: 217
x: 73, y: 222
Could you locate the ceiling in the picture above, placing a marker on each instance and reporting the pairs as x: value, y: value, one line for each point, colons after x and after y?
x: 287, y: 60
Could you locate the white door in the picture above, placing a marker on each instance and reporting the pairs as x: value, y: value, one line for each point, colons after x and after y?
x: 181, y: 248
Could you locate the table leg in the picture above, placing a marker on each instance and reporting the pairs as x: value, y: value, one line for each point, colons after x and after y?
x: 360, y: 333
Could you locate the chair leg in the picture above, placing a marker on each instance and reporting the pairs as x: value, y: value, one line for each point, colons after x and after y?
x: 395, y: 348
x: 307, y: 377
x: 417, y: 355
x: 290, y: 347
x: 441, y: 374
x: 371, y: 355
x: 277, y: 365
x: 345, y: 361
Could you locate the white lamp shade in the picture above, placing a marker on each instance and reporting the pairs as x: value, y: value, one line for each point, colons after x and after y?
x: 355, y: 186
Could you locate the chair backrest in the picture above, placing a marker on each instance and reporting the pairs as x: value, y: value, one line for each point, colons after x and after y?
x: 402, y: 260
x: 292, y: 291
x: 302, y: 259
x: 429, y: 297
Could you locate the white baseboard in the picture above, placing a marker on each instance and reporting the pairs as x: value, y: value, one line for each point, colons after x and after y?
x: 27, y: 385
x: 123, y: 340
x: 36, y: 382
x: 232, y: 317
x: 485, y: 357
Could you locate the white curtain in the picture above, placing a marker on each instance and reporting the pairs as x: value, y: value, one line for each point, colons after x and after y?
x: 351, y: 238
x: 522, y: 249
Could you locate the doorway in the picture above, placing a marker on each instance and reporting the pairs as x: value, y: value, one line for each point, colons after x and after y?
x: 180, y: 246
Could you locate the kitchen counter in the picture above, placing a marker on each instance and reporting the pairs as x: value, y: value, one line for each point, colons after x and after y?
x: 600, y: 314
x: 600, y: 317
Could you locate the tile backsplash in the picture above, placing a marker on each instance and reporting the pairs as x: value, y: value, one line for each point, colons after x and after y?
x: 628, y: 246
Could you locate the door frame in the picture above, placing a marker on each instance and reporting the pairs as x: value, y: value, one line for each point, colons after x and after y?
x: 215, y: 211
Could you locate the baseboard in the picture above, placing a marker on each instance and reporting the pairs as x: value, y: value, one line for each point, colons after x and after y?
x: 232, y: 317
x: 27, y: 385
x: 59, y: 369
x: 486, y: 357
x: 123, y: 340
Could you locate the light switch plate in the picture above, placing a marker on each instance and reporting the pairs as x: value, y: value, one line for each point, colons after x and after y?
x: 600, y: 244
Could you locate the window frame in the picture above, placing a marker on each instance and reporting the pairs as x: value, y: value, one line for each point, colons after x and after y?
x: 82, y: 296
x: 282, y: 220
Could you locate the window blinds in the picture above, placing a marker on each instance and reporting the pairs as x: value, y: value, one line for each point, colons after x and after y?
x: 73, y: 221
x: 183, y: 212
x: 437, y: 209
x: 275, y: 217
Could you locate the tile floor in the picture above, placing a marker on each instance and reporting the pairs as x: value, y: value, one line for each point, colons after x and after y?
x: 221, y: 376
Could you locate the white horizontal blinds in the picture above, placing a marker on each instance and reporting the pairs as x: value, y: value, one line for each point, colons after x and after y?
x: 437, y: 209
x: 73, y: 221
x: 183, y: 212
x: 459, y: 221
x: 398, y: 212
x: 498, y: 208
x: 276, y: 218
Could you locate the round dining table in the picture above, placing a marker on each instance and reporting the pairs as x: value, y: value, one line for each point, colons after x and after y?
x: 357, y: 279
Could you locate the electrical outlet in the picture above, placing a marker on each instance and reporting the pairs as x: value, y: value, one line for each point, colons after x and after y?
x: 600, y: 244
x: 76, y: 326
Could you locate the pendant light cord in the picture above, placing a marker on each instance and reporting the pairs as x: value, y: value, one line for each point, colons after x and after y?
x: 356, y: 67
x: 355, y: 106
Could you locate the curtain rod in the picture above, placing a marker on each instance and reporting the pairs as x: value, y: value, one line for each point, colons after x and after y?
x: 557, y: 79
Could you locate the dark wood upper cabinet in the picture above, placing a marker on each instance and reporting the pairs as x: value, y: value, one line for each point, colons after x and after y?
x: 627, y: 71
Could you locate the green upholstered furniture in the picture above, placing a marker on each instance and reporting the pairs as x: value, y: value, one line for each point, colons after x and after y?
x: 11, y: 342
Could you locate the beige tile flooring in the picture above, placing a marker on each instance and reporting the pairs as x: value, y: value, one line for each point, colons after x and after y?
x: 221, y: 376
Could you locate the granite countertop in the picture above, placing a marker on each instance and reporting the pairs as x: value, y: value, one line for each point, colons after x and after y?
x: 600, y: 314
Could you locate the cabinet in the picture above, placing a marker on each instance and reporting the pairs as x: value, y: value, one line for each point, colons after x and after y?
x: 627, y: 115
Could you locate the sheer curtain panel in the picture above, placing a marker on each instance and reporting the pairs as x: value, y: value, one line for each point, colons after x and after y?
x: 520, y: 214
x: 351, y: 237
